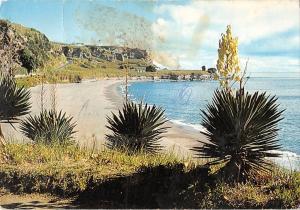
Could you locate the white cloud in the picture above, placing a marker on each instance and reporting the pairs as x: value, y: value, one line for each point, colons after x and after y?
x: 271, y: 64
x: 1, y: 1
x: 199, y: 24
x: 251, y: 20
x: 161, y: 28
x: 281, y: 44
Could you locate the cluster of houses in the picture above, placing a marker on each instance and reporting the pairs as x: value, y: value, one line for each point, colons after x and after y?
x: 211, y: 72
x: 174, y: 77
x: 190, y: 77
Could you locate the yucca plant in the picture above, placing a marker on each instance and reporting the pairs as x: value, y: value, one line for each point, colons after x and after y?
x: 137, y: 128
x: 241, y: 133
x: 49, y: 127
x: 14, y: 102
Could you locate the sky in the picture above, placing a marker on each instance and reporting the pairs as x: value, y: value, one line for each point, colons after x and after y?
x: 179, y: 34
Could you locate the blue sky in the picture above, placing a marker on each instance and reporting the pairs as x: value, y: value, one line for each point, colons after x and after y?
x: 179, y: 34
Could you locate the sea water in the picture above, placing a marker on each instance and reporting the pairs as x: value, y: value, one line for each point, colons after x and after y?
x: 183, y: 100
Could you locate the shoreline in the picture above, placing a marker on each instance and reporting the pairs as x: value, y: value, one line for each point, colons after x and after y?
x: 179, y: 138
x: 184, y: 136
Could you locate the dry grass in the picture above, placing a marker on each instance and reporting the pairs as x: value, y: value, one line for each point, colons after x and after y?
x: 277, y: 189
x: 104, y: 162
x: 71, y: 170
x: 66, y: 170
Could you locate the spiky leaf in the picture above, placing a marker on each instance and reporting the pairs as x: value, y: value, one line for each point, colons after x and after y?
x: 241, y: 132
x: 136, y: 128
x: 14, y: 101
x: 49, y: 127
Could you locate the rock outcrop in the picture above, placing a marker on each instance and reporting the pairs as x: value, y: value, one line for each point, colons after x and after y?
x: 109, y: 53
x: 10, y: 45
x: 21, y: 46
x: 31, y: 49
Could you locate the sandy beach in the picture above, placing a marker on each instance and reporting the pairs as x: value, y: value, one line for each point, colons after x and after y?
x: 89, y: 103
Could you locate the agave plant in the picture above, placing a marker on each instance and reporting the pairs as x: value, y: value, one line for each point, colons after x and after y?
x: 136, y: 128
x: 241, y: 133
x: 49, y: 127
x: 14, y: 102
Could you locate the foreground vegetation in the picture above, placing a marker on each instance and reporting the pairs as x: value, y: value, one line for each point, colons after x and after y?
x: 66, y: 170
x: 114, y: 179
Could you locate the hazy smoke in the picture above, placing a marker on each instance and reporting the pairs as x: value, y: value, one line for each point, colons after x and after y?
x: 166, y: 59
x: 115, y: 27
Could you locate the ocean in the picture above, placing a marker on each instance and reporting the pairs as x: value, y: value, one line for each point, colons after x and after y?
x: 183, y: 100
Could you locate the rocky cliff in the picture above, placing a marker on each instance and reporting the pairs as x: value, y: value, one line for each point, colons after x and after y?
x: 30, y: 49
x: 23, y: 47
x: 109, y: 53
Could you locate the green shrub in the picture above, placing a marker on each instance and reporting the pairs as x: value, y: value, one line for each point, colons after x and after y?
x: 37, y: 51
x: 29, y: 81
x: 151, y: 68
x: 28, y: 60
x: 241, y: 133
x: 75, y: 78
x: 136, y: 128
x: 49, y: 127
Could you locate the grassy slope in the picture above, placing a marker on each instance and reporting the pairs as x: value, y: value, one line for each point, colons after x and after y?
x: 98, y: 176
x: 66, y: 170
x: 96, y: 69
x: 90, y: 70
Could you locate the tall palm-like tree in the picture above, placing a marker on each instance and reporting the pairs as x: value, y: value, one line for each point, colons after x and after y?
x: 14, y: 102
x: 241, y: 132
x: 136, y: 128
